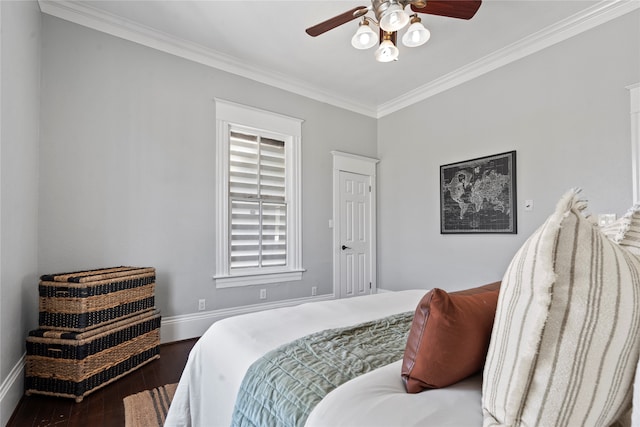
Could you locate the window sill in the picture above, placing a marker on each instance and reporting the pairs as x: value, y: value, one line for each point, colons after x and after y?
x: 235, y: 281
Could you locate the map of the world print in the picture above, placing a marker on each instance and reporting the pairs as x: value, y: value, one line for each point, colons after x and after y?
x: 479, y: 195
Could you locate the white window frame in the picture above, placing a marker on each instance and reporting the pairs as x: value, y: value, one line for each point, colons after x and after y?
x: 232, y: 115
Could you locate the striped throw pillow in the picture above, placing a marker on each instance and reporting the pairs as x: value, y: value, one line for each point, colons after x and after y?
x: 626, y: 230
x: 635, y: 410
x: 566, y: 337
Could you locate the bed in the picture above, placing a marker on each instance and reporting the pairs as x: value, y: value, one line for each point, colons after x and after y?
x: 216, y: 367
x: 560, y: 346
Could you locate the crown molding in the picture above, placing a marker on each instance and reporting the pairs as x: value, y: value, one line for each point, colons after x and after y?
x: 86, y: 15
x: 82, y: 13
x: 587, y: 19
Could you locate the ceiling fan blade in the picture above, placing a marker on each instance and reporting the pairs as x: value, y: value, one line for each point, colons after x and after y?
x: 461, y: 9
x: 336, y: 21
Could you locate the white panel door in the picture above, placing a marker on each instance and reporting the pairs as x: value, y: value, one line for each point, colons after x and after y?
x: 355, y: 239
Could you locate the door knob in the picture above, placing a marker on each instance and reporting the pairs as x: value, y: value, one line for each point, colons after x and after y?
x: 345, y: 247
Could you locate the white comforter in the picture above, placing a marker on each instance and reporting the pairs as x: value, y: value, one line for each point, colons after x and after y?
x: 206, y: 393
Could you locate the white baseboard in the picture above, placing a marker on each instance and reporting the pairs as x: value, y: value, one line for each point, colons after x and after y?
x: 176, y: 328
x: 11, y: 391
x: 382, y: 291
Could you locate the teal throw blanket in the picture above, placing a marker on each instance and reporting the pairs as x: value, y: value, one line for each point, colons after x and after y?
x: 282, y: 387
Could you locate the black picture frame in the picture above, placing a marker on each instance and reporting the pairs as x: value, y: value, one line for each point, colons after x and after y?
x: 478, y: 196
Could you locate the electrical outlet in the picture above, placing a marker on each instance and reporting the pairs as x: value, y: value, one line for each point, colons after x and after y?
x: 263, y: 294
x: 314, y: 291
x: 528, y: 205
x: 201, y: 304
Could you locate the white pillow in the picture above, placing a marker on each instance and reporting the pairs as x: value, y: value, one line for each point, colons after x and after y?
x: 626, y: 230
x: 566, y: 337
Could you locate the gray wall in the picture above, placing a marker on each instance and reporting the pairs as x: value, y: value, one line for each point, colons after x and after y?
x: 565, y: 110
x: 109, y: 160
x: 127, y: 165
x: 19, y: 115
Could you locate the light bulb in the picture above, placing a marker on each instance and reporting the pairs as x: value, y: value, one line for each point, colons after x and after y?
x: 365, y: 37
x: 393, y: 18
x: 416, y: 34
x: 387, y: 52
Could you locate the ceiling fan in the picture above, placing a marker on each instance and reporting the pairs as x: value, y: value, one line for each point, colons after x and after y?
x: 390, y: 16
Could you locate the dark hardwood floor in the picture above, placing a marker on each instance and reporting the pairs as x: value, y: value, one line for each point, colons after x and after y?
x: 104, y: 406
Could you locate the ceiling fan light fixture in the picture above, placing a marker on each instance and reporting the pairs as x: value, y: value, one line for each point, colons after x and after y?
x: 365, y: 37
x: 394, y: 17
x: 390, y: 17
x: 416, y: 34
x: 387, y: 51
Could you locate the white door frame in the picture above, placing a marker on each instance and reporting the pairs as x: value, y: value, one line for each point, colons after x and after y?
x: 364, y: 166
x: 634, y: 93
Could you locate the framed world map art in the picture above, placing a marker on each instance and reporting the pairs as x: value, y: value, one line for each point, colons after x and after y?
x: 479, y: 195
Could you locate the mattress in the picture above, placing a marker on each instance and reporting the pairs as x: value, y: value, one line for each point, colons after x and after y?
x: 206, y: 393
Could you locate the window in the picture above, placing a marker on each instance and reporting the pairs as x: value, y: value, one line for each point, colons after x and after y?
x: 257, y: 196
x: 258, y: 203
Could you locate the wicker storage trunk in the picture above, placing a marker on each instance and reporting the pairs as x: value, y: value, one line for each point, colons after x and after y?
x: 71, y: 364
x: 83, y: 300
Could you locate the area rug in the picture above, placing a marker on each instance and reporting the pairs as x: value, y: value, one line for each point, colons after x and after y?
x: 148, y: 408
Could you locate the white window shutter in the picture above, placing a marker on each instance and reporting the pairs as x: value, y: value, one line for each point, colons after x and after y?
x: 257, y: 196
x: 258, y: 193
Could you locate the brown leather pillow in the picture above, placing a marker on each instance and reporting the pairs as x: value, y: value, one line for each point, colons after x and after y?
x: 449, y: 337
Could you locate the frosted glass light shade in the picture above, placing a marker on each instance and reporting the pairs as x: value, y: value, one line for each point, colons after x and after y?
x: 387, y: 52
x: 393, y: 18
x: 364, y: 38
x: 416, y: 35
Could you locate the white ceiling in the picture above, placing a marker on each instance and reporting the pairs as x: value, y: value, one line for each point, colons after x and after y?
x: 265, y: 40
